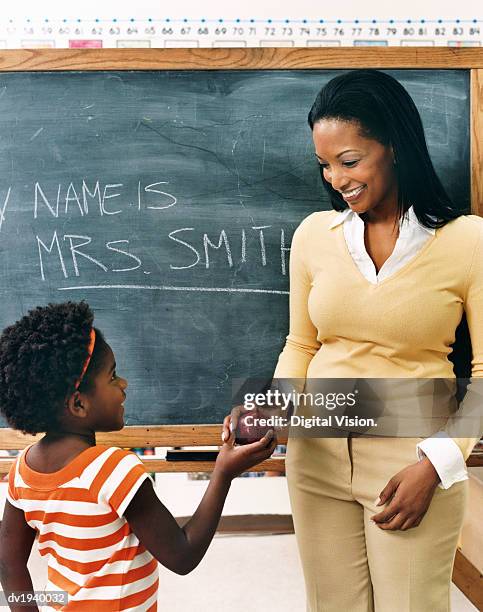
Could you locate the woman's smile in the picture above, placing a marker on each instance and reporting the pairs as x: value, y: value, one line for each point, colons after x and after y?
x: 353, y: 195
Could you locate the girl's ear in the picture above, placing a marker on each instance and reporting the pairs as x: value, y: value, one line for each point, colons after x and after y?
x: 76, y: 405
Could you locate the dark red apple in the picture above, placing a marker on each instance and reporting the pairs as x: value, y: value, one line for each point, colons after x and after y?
x: 249, y: 429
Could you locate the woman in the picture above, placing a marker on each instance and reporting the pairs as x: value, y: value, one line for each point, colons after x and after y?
x: 377, y: 289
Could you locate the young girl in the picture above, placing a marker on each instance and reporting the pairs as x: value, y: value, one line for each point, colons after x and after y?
x: 100, y: 524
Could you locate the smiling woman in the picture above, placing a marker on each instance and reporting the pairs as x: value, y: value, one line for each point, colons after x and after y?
x: 381, y: 112
x: 359, y: 168
x: 377, y: 289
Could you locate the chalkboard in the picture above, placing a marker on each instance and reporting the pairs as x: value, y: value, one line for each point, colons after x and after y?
x: 167, y: 200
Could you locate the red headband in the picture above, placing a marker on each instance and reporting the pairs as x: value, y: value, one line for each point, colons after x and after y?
x: 90, y: 350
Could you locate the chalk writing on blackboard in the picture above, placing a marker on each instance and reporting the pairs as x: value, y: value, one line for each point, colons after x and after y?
x: 189, y: 246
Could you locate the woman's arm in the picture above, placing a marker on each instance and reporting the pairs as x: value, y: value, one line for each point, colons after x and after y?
x: 180, y: 549
x: 302, y: 343
x: 415, y: 484
x: 16, y: 539
x: 449, y: 448
x: 466, y: 426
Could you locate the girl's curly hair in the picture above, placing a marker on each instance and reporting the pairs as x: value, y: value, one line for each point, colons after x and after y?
x: 41, y: 358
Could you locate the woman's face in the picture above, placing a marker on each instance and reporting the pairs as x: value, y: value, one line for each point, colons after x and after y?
x: 360, y: 168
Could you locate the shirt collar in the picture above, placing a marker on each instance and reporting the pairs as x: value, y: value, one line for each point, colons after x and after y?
x: 409, y: 217
x: 341, y: 217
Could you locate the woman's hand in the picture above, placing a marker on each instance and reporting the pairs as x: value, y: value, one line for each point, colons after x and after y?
x: 230, y: 422
x: 233, y: 460
x: 409, y: 494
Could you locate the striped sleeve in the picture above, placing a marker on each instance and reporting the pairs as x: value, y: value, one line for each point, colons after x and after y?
x: 12, y: 494
x: 118, y: 480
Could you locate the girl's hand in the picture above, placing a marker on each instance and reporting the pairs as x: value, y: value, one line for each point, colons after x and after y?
x: 233, y: 460
x: 408, y: 495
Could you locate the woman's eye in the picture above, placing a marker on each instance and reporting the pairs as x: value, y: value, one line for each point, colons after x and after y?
x: 114, y: 375
x: 348, y: 164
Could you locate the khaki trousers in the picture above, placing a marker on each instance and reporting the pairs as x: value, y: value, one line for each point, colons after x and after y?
x: 349, y: 564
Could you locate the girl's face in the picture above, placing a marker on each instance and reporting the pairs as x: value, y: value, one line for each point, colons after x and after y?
x: 360, y: 168
x: 106, y: 399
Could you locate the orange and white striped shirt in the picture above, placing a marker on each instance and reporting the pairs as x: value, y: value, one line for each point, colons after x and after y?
x: 90, y: 548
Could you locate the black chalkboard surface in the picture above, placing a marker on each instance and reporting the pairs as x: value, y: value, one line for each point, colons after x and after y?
x: 167, y: 200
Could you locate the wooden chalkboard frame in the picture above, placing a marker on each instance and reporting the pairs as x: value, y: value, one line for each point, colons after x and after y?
x: 470, y: 59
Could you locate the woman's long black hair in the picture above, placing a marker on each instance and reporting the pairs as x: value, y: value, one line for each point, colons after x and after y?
x: 386, y: 112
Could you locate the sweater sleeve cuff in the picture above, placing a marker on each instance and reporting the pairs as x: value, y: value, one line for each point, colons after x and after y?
x: 446, y: 457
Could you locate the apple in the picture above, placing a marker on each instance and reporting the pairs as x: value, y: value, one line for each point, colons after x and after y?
x: 248, y: 429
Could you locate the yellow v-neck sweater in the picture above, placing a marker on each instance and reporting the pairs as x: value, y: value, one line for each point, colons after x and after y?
x: 342, y: 326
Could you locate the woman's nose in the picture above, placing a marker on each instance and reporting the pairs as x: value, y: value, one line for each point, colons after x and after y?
x: 338, y: 179
x: 123, y: 382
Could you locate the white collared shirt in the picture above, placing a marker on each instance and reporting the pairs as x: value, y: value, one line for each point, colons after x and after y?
x: 441, y: 450
x: 412, y: 237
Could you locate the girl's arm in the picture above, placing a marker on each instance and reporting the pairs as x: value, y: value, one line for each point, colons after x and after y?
x: 180, y: 549
x: 16, y: 539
